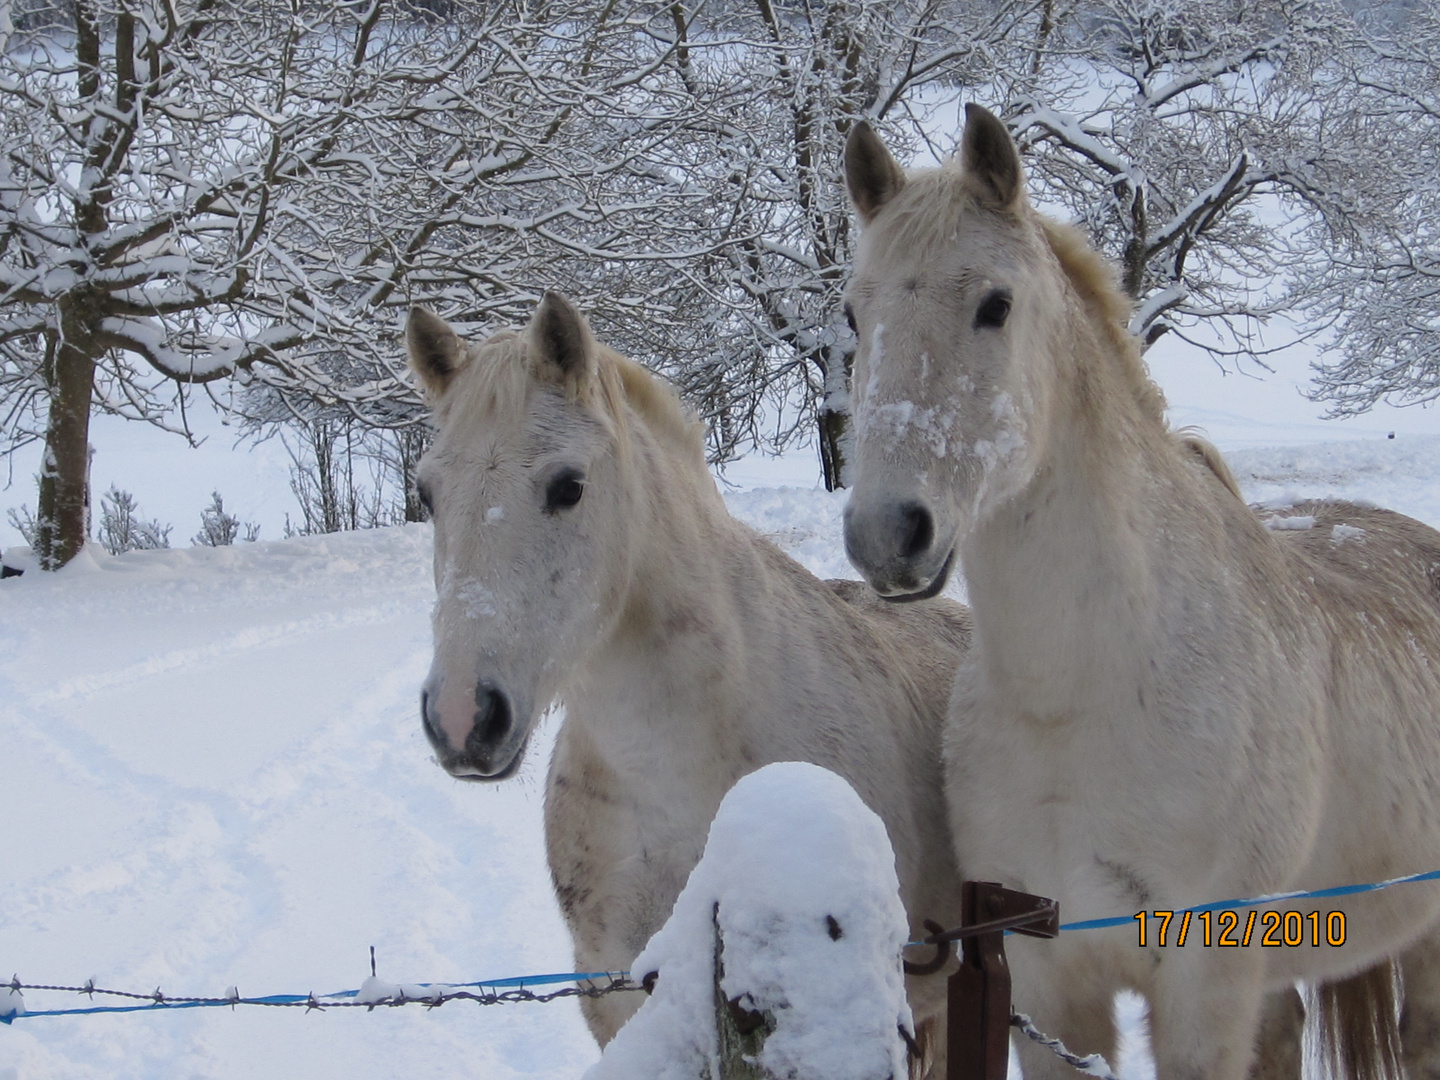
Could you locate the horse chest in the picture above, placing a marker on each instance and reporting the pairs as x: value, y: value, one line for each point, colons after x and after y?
x: 1047, y: 800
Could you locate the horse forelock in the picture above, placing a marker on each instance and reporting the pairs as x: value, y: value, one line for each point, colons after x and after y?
x: 923, y: 219
x: 491, y: 380
x: 497, y: 379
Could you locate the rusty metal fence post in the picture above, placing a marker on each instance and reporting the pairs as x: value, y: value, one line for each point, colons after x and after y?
x: 978, y: 1019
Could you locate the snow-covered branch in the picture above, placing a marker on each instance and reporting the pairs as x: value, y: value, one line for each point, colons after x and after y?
x: 1230, y: 165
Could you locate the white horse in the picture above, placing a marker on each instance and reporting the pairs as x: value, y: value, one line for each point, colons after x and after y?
x: 1171, y: 698
x: 583, y: 553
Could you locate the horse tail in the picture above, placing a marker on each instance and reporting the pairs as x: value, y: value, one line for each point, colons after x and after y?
x: 1359, y: 1035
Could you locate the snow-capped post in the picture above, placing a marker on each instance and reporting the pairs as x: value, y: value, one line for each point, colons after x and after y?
x: 782, y: 955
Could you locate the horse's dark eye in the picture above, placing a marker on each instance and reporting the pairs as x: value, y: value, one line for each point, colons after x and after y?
x: 994, y: 310
x: 850, y: 318
x: 564, y: 490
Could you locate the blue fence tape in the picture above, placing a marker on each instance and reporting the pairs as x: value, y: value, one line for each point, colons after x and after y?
x: 1252, y: 901
x: 1257, y: 901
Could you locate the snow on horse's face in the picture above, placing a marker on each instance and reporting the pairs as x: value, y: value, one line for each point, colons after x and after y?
x: 952, y: 296
x: 528, y: 499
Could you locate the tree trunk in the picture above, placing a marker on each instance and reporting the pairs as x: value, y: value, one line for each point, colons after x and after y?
x: 62, y: 519
x: 410, y: 447
x: 834, y: 430
x: 833, y: 419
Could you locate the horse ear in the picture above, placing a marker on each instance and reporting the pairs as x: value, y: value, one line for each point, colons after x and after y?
x: 991, y: 159
x: 873, y: 176
x: 560, y: 341
x: 434, y: 349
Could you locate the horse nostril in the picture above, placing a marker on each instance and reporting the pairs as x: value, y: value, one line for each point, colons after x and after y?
x: 492, y: 720
x: 917, y: 530
x: 432, y: 732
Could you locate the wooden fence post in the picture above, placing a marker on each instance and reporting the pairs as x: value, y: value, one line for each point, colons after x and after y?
x: 742, y: 1032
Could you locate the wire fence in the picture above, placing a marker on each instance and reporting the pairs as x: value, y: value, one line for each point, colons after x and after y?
x: 371, y: 995
x: 1090, y: 1064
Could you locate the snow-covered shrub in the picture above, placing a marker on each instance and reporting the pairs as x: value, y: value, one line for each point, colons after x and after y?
x: 23, y: 522
x: 219, y: 528
x: 798, y: 880
x: 121, y: 527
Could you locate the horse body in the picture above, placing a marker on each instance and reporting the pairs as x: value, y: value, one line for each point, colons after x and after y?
x: 1170, y: 698
x: 583, y: 553
x: 651, y: 758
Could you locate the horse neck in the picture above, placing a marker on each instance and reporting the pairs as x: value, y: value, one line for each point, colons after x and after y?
x: 676, y: 631
x: 1062, y: 576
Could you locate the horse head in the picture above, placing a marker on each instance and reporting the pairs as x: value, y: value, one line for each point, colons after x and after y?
x: 525, y: 483
x: 952, y: 302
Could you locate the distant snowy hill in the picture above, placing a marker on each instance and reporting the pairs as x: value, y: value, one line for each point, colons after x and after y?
x: 213, y: 775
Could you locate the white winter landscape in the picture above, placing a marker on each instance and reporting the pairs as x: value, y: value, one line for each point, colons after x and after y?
x: 213, y: 775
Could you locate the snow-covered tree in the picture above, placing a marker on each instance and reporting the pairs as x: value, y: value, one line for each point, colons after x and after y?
x: 250, y: 192
x: 196, y: 190
x: 1382, y: 289
x: 1205, y: 146
x: 148, y: 237
x: 695, y: 214
x: 349, y: 475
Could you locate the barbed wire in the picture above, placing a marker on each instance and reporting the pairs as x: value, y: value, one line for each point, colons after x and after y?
x: 516, y: 989
x: 372, y: 995
x: 1090, y: 1064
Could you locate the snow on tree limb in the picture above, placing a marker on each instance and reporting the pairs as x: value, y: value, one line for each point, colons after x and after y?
x: 1231, y: 165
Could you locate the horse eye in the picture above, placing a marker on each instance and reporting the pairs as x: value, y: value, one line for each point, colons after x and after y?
x: 994, y: 310
x: 850, y: 318
x: 564, y: 490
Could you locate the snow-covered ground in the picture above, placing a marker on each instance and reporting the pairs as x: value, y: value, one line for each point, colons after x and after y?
x: 213, y: 776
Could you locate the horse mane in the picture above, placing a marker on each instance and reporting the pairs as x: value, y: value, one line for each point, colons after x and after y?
x: 1093, y: 278
x: 497, y: 378
x: 1209, y: 456
x: 655, y: 401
